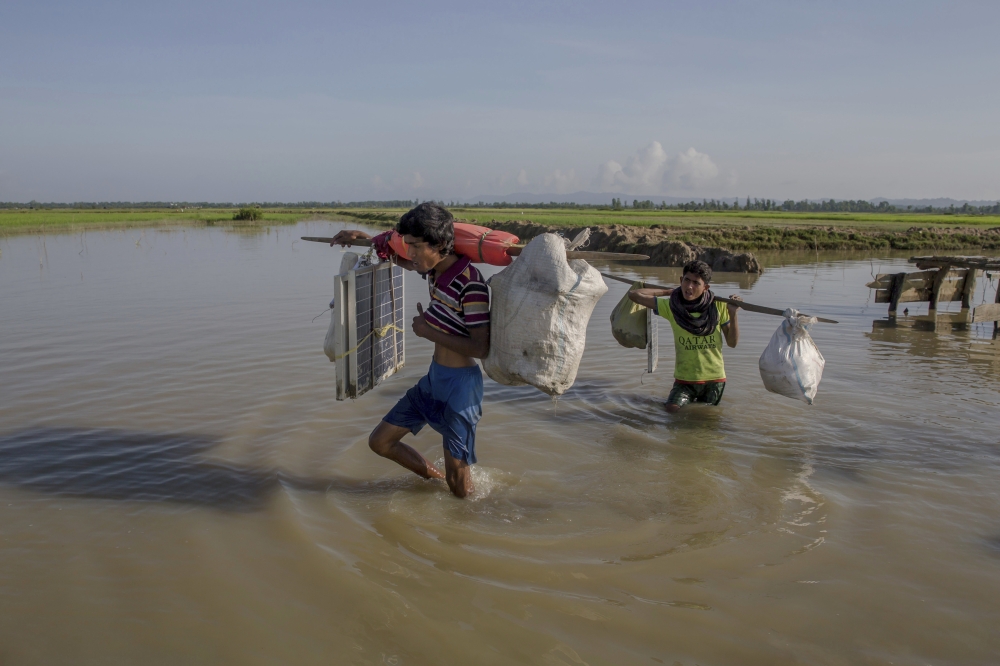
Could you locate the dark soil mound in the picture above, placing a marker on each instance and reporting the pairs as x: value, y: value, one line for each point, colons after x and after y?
x: 663, y: 249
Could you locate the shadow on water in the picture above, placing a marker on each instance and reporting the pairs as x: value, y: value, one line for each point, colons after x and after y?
x: 125, y: 465
x: 602, y: 401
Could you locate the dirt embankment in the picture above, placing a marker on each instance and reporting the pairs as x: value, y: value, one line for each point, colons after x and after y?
x: 663, y: 248
x: 729, y: 247
x: 759, y: 238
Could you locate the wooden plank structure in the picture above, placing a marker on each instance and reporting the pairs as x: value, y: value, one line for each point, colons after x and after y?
x: 941, y: 279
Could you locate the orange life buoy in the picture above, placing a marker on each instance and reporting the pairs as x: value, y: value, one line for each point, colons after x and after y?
x: 481, y: 245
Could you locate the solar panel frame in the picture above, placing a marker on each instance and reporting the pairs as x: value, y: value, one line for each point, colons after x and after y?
x: 340, y: 302
x: 368, y: 300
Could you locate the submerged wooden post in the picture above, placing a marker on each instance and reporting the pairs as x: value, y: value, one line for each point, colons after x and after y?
x: 996, y: 324
x: 969, y: 288
x: 936, y: 289
x: 969, y: 292
x: 895, y: 291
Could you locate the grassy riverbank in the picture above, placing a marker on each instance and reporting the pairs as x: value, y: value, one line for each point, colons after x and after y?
x: 743, y: 230
x: 42, y: 220
x: 737, y: 230
x: 677, y: 218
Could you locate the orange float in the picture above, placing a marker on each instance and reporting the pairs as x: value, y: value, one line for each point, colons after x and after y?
x: 480, y: 244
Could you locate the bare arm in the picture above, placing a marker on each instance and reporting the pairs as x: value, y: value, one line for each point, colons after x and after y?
x: 647, y: 297
x: 345, y: 236
x: 475, y: 346
x: 732, y: 328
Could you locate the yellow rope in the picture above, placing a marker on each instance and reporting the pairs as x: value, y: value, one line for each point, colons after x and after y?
x: 382, y: 331
x: 377, y: 332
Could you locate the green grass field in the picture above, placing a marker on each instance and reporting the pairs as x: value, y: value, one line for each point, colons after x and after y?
x: 754, y: 231
x: 674, y: 218
x: 742, y: 230
x: 12, y: 221
x: 61, y: 219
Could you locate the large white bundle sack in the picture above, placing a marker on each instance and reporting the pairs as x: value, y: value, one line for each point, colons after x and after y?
x: 539, y: 311
x: 792, y: 365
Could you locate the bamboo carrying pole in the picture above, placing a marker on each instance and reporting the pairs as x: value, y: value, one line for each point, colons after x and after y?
x: 746, y: 306
x: 515, y: 250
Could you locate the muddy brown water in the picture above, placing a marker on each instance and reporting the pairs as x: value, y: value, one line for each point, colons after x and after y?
x: 178, y: 484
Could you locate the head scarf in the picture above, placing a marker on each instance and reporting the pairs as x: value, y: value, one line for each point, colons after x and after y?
x: 705, y: 306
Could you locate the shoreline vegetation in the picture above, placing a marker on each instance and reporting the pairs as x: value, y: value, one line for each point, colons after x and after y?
x: 631, y: 229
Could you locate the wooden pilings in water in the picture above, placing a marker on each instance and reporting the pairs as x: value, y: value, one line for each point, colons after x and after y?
x: 996, y: 322
x: 942, y: 279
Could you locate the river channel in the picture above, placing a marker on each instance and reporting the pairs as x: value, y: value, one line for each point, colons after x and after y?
x: 178, y: 483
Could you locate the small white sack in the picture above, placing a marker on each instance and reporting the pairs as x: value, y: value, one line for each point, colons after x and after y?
x: 347, y: 263
x: 792, y: 365
x: 539, y: 311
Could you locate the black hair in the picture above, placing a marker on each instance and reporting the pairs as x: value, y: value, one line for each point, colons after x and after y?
x: 699, y: 268
x: 431, y: 222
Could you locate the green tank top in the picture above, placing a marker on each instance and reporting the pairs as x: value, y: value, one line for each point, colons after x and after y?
x: 698, y: 358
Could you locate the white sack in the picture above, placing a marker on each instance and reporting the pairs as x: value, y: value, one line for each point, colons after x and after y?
x: 347, y: 263
x: 539, y: 311
x: 792, y: 365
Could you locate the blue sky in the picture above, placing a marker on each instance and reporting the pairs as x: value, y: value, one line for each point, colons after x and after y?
x: 322, y: 101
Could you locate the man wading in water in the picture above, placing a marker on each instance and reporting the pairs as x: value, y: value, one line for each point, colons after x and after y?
x: 696, y: 320
x: 457, y: 320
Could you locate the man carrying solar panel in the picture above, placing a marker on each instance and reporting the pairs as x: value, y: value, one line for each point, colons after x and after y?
x: 457, y: 320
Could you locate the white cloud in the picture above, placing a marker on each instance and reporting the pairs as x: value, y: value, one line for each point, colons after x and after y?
x: 608, y: 176
x: 558, y: 182
x: 642, y: 172
x: 651, y: 171
x: 404, y: 184
x: 690, y: 170
x: 522, y: 178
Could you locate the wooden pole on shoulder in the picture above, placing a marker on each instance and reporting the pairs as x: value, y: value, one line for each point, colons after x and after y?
x: 763, y: 309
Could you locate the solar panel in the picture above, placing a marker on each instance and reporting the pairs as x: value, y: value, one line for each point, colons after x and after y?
x: 368, y: 327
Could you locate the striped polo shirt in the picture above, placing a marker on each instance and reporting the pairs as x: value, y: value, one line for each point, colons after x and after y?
x: 460, y: 299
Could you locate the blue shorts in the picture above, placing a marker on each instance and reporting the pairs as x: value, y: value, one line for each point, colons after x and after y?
x: 451, y: 401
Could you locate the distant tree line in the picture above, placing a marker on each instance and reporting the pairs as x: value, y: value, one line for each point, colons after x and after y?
x: 755, y: 204
x: 789, y: 205
x: 515, y: 204
x: 825, y: 206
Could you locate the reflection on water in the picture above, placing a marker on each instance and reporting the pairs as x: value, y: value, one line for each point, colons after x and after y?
x: 972, y: 352
x: 173, y: 461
